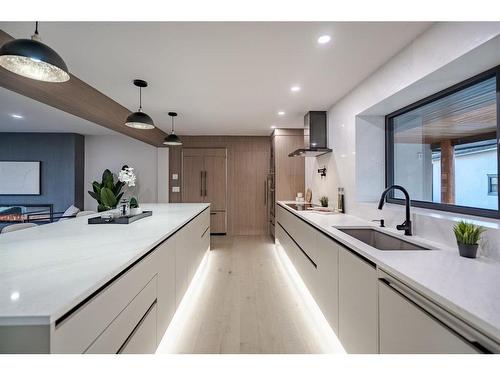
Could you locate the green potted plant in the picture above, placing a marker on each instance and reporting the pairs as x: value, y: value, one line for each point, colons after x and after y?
x: 468, y: 236
x: 107, y: 193
x: 134, y: 207
x: 324, y: 201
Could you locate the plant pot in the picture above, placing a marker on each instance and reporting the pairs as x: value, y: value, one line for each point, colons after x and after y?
x: 467, y: 251
x: 135, y: 211
x: 324, y: 205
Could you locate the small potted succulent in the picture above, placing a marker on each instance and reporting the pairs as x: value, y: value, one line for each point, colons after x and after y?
x: 468, y: 236
x: 324, y: 201
x: 134, y: 207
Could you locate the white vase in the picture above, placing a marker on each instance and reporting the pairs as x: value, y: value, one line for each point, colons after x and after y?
x: 135, y: 211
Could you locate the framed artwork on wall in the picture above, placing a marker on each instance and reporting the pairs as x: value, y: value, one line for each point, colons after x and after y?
x: 20, y: 177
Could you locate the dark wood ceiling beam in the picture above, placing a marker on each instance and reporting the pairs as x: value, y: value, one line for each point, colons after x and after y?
x: 79, y: 99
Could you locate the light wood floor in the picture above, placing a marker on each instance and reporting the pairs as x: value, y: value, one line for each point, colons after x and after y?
x: 246, y: 302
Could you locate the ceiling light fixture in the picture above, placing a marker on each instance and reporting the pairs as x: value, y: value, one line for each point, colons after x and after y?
x: 281, y: 113
x: 295, y: 88
x: 139, y: 119
x: 15, y: 296
x: 273, y: 126
x: 172, y: 139
x: 32, y: 59
x: 323, y: 39
x: 16, y: 116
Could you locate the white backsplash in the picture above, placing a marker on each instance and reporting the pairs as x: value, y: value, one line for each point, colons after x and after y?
x: 356, y: 130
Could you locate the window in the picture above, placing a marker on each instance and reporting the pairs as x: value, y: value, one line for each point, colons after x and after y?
x: 492, y: 184
x: 442, y: 147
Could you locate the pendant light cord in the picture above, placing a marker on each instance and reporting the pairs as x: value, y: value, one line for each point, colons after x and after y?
x: 172, y: 124
x: 35, y: 36
x: 140, y: 98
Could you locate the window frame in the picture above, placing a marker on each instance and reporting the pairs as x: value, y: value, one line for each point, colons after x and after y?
x: 389, y: 146
x: 490, y: 190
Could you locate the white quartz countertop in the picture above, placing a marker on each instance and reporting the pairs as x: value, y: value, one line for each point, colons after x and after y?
x: 46, y: 270
x: 469, y: 288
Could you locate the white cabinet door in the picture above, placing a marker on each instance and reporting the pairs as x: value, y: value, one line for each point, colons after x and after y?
x: 358, y: 316
x: 182, y: 250
x: 327, y: 288
x: 406, y: 328
x: 166, y: 284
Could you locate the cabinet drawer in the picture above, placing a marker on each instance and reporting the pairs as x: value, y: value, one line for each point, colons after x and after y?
x: 143, y: 338
x: 405, y: 328
x: 306, y: 268
x: 217, y: 222
x: 76, y: 332
x: 112, y: 339
x: 282, y: 216
x: 303, y: 233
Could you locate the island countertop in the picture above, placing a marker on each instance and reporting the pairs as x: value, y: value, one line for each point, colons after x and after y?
x: 46, y: 270
x: 466, y: 287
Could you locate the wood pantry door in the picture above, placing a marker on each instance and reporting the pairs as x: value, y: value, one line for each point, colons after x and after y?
x: 204, y: 179
x: 192, y: 179
x: 215, y: 182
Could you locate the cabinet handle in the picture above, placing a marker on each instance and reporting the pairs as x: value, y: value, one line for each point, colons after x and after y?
x: 205, y: 231
x: 201, y: 183
x: 297, y: 244
x: 455, y: 324
x: 205, y: 173
x: 265, y: 193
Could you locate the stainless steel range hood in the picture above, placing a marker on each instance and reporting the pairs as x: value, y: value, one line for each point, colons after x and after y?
x: 315, y: 135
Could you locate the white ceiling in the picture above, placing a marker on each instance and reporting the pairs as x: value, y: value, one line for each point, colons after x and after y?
x: 222, y: 78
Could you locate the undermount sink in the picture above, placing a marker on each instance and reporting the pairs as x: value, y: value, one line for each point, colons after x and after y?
x: 379, y: 240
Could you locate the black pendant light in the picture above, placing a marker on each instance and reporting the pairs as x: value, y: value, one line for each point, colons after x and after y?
x: 140, y: 120
x: 172, y: 139
x: 32, y: 59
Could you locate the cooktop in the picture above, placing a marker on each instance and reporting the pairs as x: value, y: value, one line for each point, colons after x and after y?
x: 300, y: 206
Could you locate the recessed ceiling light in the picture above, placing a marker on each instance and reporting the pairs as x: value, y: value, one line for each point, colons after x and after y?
x: 281, y: 113
x: 273, y: 126
x: 15, y: 115
x: 295, y: 88
x: 323, y: 39
x: 14, y: 296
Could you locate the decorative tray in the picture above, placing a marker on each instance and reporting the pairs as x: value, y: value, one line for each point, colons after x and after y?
x: 120, y: 220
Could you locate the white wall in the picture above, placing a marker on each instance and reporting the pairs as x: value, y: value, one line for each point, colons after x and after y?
x: 357, y: 140
x: 114, y: 151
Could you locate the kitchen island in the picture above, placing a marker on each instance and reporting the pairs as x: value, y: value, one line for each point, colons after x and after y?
x: 72, y: 287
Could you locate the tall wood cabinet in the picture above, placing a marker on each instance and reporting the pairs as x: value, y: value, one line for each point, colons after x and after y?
x: 204, y: 180
x: 247, y: 171
x: 287, y: 174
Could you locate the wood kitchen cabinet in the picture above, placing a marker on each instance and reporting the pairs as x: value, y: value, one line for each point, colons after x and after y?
x: 286, y: 175
x: 204, y: 180
x: 247, y: 165
x: 358, y: 315
x: 289, y: 171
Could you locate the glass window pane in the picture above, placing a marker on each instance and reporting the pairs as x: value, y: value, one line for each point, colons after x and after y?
x: 445, y: 151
